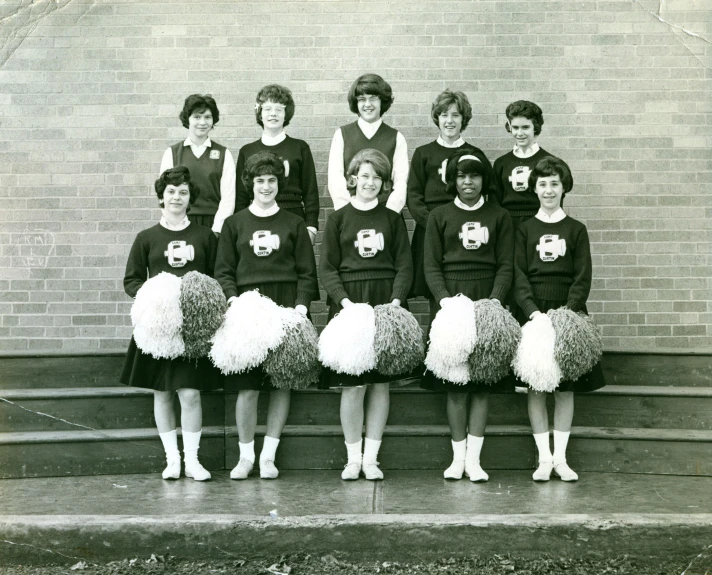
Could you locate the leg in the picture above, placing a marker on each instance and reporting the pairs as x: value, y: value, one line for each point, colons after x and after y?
x: 166, y: 422
x: 191, y: 425
x: 457, y: 420
x: 279, y: 400
x: 351, y: 413
x: 246, y: 419
x: 563, y: 416
x: 479, y: 407
x: 378, y: 404
x: 539, y: 418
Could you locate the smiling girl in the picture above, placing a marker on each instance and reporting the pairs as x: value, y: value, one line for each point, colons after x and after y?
x: 211, y: 165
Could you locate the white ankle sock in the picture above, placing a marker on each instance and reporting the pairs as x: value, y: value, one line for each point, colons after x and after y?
x: 561, y: 440
x: 269, y: 448
x: 169, y: 439
x: 542, y: 445
x: 474, y: 448
x: 191, y: 443
x: 247, y: 451
x: 459, y: 450
x: 354, y: 451
x: 370, y: 450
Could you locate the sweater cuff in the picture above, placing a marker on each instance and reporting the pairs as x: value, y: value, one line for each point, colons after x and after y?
x: 303, y: 298
x: 499, y: 292
x: 230, y: 293
x: 402, y: 295
x: 312, y: 221
x: 529, y: 307
x: 339, y: 294
x: 440, y: 294
x: 575, y: 306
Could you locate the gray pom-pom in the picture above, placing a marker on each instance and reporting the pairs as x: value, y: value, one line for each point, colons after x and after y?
x: 578, y: 344
x: 398, y: 341
x: 203, y: 305
x: 498, y: 335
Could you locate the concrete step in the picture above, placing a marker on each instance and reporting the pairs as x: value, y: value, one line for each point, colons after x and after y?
x: 51, y: 409
x: 89, y: 452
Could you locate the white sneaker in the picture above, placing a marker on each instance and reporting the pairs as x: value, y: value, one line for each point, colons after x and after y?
x: 543, y: 472
x: 475, y: 472
x: 172, y: 470
x: 371, y: 471
x: 268, y: 469
x: 562, y: 469
x: 455, y: 471
x: 242, y: 470
x: 351, y: 472
x: 195, y: 470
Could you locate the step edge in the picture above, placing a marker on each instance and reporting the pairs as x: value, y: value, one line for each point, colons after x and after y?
x: 94, y: 435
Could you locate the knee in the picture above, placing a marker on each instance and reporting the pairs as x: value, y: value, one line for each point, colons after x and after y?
x: 457, y: 399
x: 248, y: 397
x: 563, y: 397
x: 163, y: 398
x: 189, y: 398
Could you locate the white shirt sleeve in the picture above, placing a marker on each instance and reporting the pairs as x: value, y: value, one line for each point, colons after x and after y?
x: 336, y: 179
x: 396, y: 200
x: 166, y: 161
x: 227, y: 193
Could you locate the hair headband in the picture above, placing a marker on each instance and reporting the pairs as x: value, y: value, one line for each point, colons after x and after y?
x: 469, y: 157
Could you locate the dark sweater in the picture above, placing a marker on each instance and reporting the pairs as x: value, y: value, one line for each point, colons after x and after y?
x: 542, y: 273
x: 257, y: 250
x: 352, y: 250
x: 158, y: 249
x: 301, y: 190
x: 457, y: 247
x: 512, y: 183
x: 206, y: 172
x: 426, y: 185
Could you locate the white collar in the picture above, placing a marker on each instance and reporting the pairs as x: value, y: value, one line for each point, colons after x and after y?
x: 369, y: 129
x: 206, y: 144
x: 363, y: 206
x: 456, y: 144
x: 557, y: 216
x: 273, y: 140
x: 528, y: 153
x: 459, y: 203
x: 262, y: 212
x: 184, y: 223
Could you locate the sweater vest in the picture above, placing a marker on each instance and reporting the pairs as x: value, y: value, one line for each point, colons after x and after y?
x: 205, y: 171
x: 384, y: 140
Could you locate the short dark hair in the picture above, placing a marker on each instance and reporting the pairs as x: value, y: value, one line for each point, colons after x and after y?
x: 278, y: 94
x: 552, y: 166
x: 175, y: 177
x: 463, y: 161
x: 380, y: 164
x: 528, y: 110
x: 373, y: 85
x: 264, y: 164
x: 448, y: 98
x: 199, y: 103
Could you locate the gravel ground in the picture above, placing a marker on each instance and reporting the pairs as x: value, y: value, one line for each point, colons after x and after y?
x: 303, y: 564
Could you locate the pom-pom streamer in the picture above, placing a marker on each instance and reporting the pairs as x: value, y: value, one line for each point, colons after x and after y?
x: 398, y: 340
x: 498, y: 335
x: 157, y: 318
x: 346, y: 344
x: 534, y: 363
x: 203, y: 305
x: 578, y: 343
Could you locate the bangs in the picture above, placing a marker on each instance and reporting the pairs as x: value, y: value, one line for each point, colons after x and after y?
x: 368, y: 88
x: 471, y: 167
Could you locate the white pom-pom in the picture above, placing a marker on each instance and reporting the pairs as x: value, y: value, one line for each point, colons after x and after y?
x: 157, y: 318
x: 252, y: 327
x: 346, y: 344
x: 453, y: 335
x: 534, y: 363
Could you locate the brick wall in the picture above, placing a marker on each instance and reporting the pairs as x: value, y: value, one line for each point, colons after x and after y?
x: 90, y: 94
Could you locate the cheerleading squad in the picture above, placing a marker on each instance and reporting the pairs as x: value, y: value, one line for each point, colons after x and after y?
x: 223, y: 283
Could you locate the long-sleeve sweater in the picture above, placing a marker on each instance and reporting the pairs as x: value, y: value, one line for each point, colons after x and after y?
x: 273, y: 249
x: 552, y: 262
x: 426, y: 182
x: 469, y: 245
x: 301, y: 190
x: 158, y: 249
x: 365, y: 245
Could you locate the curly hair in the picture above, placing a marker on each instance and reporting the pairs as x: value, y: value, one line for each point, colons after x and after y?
x: 279, y: 95
x: 198, y: 103
x: 264, y: 164
x: 465, y: 162
x: 175, y: 177
x: 552, y: 166
x: 525, y: 109
x: 373, y: 85
x: 446, y: 99
x: 380, y: 164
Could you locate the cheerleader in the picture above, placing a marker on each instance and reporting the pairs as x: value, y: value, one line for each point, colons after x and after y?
x: 168, y: 247
x: 366, y: 259
x: 553, y: 269
x: 451, y: 113
x: 468, y: 250
x: 274, y: 110
x: 370, y: 96
x: 211, y: 165
x: 264, y: 248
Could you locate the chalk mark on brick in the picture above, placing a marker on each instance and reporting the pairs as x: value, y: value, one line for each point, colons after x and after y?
x: 40, y: 244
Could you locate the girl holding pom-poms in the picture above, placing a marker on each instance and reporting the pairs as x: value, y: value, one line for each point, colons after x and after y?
x: 174, y: 246
x: 366, y: 259
x: 552, y: 271
x: 268, y: 249
x: 451, y: 112
x: 469, y: 250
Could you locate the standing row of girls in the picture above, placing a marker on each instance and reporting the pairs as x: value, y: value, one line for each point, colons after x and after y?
x: 468, y: 215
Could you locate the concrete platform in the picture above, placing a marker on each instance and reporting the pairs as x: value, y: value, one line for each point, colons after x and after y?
x: 412, y: 514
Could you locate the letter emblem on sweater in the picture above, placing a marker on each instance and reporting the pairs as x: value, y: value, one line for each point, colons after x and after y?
x: 286, y: 168
x: 441, y: 171
x: 368, y: 243
x: 473, y: 235
x: 214, y: 154
x: 179, y: 253
x: 520, y: 178
x: 264, y: 242
x: 550, y: 247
